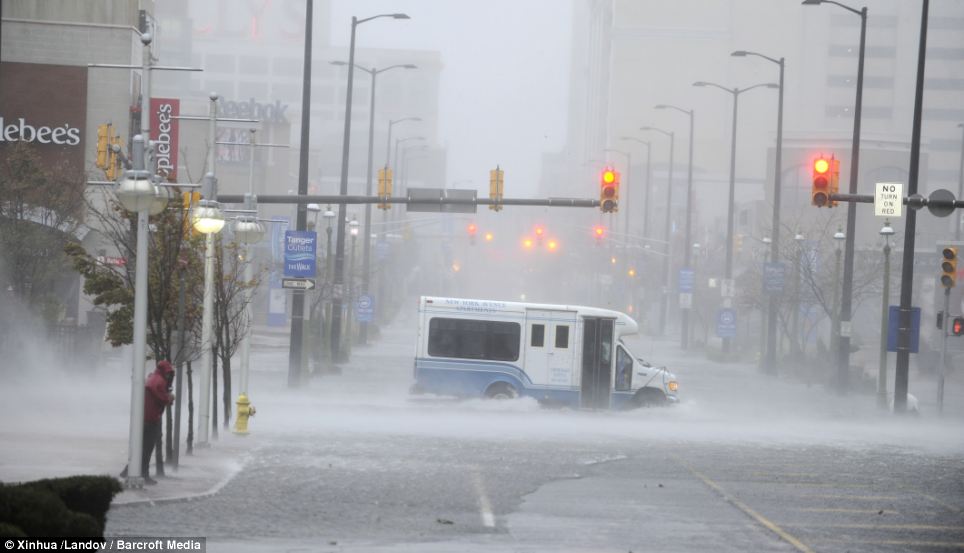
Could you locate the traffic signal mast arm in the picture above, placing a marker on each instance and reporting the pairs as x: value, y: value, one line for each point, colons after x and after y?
x: 914, y: 202
x: 337, y: 199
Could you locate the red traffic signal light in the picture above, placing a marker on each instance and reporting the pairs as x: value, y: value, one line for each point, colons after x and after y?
x: 957, y: 326
x: 472, y: 229
x: 609, y: 190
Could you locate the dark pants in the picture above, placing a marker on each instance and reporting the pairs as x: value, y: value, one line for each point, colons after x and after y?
x: 152, y: 431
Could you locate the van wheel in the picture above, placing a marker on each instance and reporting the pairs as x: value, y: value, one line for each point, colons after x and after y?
x: 501, y: 390
x: 649, y: 397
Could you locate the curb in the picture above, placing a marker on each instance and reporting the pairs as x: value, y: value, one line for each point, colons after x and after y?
x: 186, y: 498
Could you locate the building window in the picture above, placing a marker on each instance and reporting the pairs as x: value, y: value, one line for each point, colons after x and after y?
x: 849, y: 50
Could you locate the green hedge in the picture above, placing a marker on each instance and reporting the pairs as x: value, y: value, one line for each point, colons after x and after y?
x: 57, y: 507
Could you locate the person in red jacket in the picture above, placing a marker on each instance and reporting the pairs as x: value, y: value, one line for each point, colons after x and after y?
x: 156, y: 397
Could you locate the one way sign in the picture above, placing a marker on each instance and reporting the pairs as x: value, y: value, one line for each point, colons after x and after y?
x: 298, y: 283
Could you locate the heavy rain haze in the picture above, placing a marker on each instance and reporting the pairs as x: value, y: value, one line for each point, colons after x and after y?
x: 615, y: 350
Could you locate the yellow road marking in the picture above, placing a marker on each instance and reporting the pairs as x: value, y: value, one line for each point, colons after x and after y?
x: 748, y: 511
x: 844, y: 510
x: 858, y: 497
x: 928, y: 527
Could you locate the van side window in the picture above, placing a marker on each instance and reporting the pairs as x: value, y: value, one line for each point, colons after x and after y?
x: 562, y: 336
x: 538, y: 335
x: 474, y: 339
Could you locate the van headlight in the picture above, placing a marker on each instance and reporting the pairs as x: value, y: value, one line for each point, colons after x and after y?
x: 672, y: 385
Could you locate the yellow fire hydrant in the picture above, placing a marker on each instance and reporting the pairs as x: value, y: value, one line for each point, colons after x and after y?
x: 244, y: 410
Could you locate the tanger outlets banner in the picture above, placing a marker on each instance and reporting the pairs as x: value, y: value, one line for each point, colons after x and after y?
x: 44, y: 106
x: 164, y: 129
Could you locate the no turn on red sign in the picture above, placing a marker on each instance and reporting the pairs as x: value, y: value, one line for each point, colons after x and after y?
x: 888, y: 199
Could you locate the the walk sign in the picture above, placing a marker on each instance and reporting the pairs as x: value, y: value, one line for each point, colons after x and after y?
x: 300, y: 253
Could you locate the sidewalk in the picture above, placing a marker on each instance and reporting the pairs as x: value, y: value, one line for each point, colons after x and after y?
x: 50, y: 432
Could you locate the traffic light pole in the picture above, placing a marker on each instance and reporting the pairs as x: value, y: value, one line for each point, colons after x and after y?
x: 946, y: 323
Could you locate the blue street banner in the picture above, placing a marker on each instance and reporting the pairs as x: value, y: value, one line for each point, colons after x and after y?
x: 364, y: 308
x: 726, y: 323
x: 300, y: 253
x: 686, y: 279
x: 774, y: 276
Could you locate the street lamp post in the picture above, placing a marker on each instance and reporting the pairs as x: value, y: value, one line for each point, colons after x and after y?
x: 843, y: 354
x: 960, y: 187
x: 886, y: 231
x: 343, y: 191
x: 353, y: 232
x: 646, y: 187
x: 664, y: 299
x: 727, y: 301
x: 388, y: 143
x: 685, y: 315
x: 770, y: 361
x: 838, y: 237
x: 795, y: 319
x: 764, y: 331
x: 366, y: 245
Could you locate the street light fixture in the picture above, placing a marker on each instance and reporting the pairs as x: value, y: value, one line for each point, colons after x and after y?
x: 735, y: 92
x: 366, y: 245
x: 770, y: 363
x: 664, y: 299
x: 343, y: 190
x: 843, y: 359
x: 685, y: 316
x: 207, y: 217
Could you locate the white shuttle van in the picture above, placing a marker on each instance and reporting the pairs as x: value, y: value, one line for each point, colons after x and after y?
x: 557, y: 354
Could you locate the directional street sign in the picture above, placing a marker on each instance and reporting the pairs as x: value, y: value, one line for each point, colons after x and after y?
x: 298, y: 283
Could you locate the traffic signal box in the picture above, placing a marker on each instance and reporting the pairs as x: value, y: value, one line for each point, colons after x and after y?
x: 957, y: 326
x: 107, y: 158
x: 496, y: 187
x: 826, y: 181
x: 949, y: 267
x: 103, y: 145
x: 384, y: 186
x: 609, y: 190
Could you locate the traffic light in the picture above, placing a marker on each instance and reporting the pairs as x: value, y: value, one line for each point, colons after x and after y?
x: 820, y: 191
x: 113, y: 168
x: 540, y: 232
x: 472, y: 230
x: 957, y: 327
x: 527, y: 243
x: 489, y: 237
x: 496, y: 185
x: 599, y: 232
x: 949, y: 267
x: 609, y: 190
x: 384, y: 186
x: 103, y: 145
x: 552, y: 245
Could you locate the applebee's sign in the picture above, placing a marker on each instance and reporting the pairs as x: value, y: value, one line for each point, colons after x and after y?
x: 164, y: 128
x: 19, y: 130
